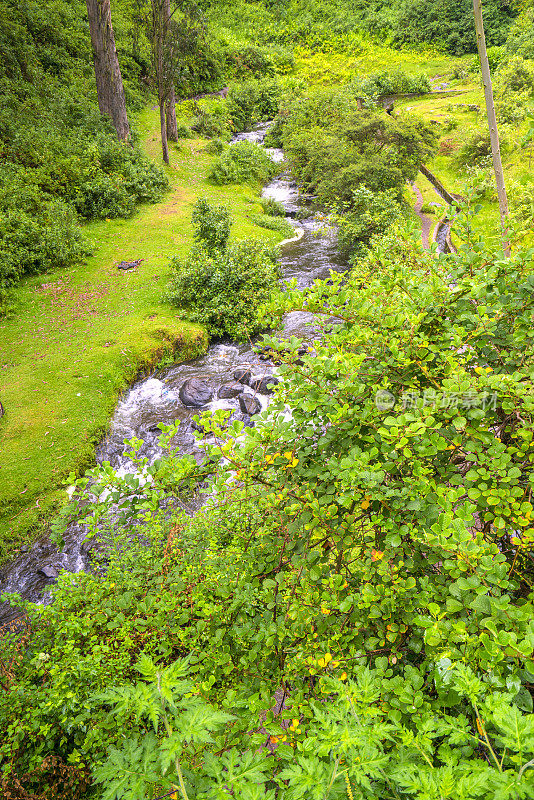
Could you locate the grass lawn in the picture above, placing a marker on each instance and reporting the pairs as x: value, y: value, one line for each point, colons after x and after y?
x: 454, y: 124
x: 77, y: 337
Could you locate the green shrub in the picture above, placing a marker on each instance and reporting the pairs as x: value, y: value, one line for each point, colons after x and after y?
x: 241, y: 162
x: 476, y: 150
x: 212, y: 119
x: 272, y: 207
x: 449, y: 23
x: 252, y: 102
x: 333, y: 146
x: 514, y: 89
x: 36, y: 243
x: 273, y: 223
x: 215, y: 147
x: 212, y: 225
x: 370, y: 213
x: 184, y: 131
x: 390, y: 82
x: 224, y: 290
x: 520, y: 41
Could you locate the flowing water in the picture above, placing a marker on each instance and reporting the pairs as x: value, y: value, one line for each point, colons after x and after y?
x: 155, y: 399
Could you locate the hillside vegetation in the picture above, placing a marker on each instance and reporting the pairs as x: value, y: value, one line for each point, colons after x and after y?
x: 350, y: 613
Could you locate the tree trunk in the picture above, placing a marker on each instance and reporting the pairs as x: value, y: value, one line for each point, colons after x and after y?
x: 492, y: 124
x: 170, y: 109
x: 164, y: 145
x: 109, y: 88
x: 170, y: 114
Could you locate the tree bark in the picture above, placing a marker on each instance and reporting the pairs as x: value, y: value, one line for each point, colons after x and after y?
x: 170, y: 107
x: 492, y: 124
x: 164, y: 145
x: 170, y: 114
x: 109, y: 88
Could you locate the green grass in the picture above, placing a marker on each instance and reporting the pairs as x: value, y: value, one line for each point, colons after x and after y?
x: 77, y: 337
x: 369, y: 57
x: 445, y: 164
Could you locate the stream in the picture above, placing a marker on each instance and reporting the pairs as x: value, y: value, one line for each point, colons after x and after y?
x: 155, y: 398
x: 231, y: 375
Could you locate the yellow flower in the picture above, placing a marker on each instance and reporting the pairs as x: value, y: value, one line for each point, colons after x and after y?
x: 327, y: 657
x: 366, y: 502
x: 288, y: 454
x: 343, y: 676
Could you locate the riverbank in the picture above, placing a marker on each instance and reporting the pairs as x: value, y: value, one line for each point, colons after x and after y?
x: 78, y: 337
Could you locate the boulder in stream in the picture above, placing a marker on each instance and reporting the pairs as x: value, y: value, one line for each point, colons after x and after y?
x: 229, y: 390
x: 264, y: 385
x: 195, y: 392
x: 242, y: 375
x: 50, y: 573
x: 249, y: 405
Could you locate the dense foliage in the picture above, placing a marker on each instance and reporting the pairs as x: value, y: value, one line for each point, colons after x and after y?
x: 223, y: 285
x: 61, y: 159
x: 369, y: 555
x: 333, y: 146
x: 243, y: 162
x: 335, y: 25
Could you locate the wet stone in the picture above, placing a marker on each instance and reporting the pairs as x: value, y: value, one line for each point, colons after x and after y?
x: 229, y: 390
x: 195, y: 392
x: 249, y: 405
x: 48, y: 572
x: 264, y: 385
x: 242, y: 375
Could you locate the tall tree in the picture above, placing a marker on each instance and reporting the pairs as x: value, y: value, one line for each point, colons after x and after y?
x: 492, y: 124
x: 170, y: 105
x: 163, y: 41
x: 109, y: 88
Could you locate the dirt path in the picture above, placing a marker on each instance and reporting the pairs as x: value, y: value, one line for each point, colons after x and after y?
x: 426, y: 220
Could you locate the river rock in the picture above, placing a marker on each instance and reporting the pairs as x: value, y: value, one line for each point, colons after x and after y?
x: 249, y: 405
x: 229, y: 390
x: 247, y: 422
x: 264, y: 385
x: 195, y: 392
x: 50, y: 573
x: 242, y: 375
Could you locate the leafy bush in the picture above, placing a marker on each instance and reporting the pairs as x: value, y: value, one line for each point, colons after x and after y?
x: 184, y: 131
x: 219, y: 285
x: 212, y: 119
x: 370, y: 213
x: 390, y: 82
x: 252, y: 102
x: 224, y: 290
x: 520, y: 40
x: 245, y: 61
x: 273, y: 223
x: 449, y: 23
x: 272, y: 207
x: 38, y: 242
x: 215, y: 147
x: 333, y: 146
x: 241, y: 162
x: 476, y: 150
x: 514, y: 89
x: 212, y: 225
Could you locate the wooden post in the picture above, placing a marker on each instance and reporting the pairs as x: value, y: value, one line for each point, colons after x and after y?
x: 492, y: 124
